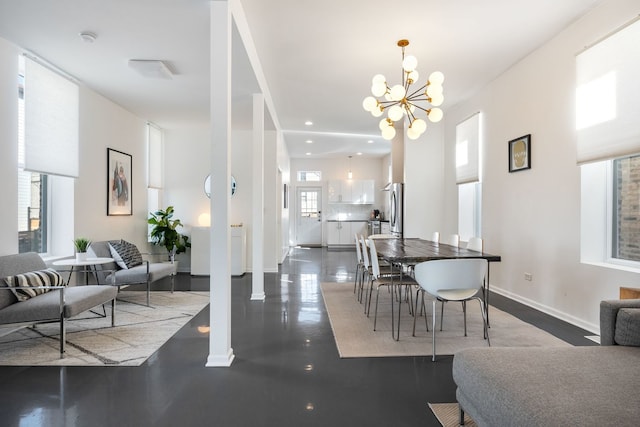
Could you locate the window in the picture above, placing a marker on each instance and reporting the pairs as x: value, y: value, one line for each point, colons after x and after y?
x: 306, y: 176
x: 32, y: 194
x: 309, y: 204
x: 608, y: 143
x: 468, y: 141
x: 625, y: 230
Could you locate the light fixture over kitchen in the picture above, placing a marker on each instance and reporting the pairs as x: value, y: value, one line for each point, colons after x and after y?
x: 349, y: 174
x: 402, y: 100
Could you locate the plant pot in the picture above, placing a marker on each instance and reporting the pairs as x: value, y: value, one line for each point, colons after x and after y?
x: 81, y: 256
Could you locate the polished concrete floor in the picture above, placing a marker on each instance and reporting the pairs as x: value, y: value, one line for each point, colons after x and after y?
x: 286, y: 370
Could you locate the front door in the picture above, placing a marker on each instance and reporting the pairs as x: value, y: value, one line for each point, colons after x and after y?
x: 309, y: 216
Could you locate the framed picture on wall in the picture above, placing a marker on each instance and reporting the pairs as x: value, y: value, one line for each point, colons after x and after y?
x: 119, y: 195
x: 520, y: 153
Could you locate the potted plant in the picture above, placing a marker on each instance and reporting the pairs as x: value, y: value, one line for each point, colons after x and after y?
x: 81, y: 244
x: 164, y: 232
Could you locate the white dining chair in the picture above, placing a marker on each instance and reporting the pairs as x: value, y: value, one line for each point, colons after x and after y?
x: 435, y: 237
x: 475, y: 244
x: 451, y: 240
x: 452, y: 280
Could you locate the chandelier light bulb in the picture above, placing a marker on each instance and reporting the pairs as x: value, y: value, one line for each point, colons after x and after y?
x: 395, y: 113
x: 383, y: 124
x: 397, y: 93
x: 437, y: 100
x: 435, y: 115
x: 378, y: 89
x: 413, y: 134
x: 413, y: 76
x: 434, y: 89
x: 377, y: 112
x: 369, y: 103
x: 419, y: 125
x: 409, y: 63
x: 389, y: 133
x: 436, y: 78
x: 379, y: 78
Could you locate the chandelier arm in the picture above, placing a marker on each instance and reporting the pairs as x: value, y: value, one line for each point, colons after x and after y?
x: 419, y: 90
x: 423, y: 109
x: 427, y: 99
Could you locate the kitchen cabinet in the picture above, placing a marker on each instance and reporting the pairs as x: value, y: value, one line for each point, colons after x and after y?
x: 385, y: 228
x: 341, y: 233
x: 353, y: 191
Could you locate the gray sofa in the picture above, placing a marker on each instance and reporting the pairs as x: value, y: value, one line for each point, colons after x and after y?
x: 56, y: 305
x: 577, y: 386
x: 145, y: 273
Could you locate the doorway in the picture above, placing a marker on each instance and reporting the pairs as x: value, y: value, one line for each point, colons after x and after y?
x: 309, y: 216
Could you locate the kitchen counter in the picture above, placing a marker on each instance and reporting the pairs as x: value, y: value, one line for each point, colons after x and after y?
x: 347, y: 220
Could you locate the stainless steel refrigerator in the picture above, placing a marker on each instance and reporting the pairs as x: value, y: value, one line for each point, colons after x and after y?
x: 396, y: 203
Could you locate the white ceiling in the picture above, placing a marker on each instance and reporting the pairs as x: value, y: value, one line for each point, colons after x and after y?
x: 318, y: 58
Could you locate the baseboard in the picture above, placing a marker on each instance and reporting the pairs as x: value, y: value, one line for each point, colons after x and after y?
x: 548, y: 310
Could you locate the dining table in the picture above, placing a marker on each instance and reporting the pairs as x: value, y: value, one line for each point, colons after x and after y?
x: 401, y: 253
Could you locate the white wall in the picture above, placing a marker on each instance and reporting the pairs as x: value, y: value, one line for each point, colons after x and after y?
x: 423, y: 189
x: 532, y: 218
x: 103, y: 125
x: 8, y: 148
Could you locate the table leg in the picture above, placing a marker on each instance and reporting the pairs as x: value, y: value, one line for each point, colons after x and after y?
x: 393, y: 329
x: 486, y: 295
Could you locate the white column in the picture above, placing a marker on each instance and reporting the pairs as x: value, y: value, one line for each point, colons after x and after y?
x: 257, y: 292
x: 220, y: 351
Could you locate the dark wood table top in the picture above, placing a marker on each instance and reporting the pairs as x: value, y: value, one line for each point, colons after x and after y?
x: 413, y: 251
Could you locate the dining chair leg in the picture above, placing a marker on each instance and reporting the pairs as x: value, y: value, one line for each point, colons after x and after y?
x: 464, y: 315
x: 355, y: 280
x: 442, y: 314
x: 433, y: 339
x: 485, y: 321
x: 422, y: 310
x: 375, y: 315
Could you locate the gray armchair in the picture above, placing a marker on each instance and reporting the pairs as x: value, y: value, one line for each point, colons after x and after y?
x: 619, y: 326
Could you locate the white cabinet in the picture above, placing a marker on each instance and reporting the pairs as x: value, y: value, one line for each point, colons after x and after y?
x: 353, y: 191
x: 341, y: 233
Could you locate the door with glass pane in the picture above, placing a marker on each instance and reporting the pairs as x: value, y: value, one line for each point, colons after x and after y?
x: 309, y: 216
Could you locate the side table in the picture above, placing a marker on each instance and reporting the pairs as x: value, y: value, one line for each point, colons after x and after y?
x: 86, y: 266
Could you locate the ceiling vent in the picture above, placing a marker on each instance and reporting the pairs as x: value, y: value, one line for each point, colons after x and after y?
x: 150, y: 68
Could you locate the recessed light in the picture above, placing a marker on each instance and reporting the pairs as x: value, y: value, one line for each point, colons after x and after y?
x: 308, y: 154
x: 359, y: 154
x: 308, y: 141
x: 370, y: 141
x: 308, y: 123
x: 88, y: 36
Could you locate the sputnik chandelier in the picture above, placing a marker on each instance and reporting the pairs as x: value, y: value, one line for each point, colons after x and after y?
x: 402, y: 99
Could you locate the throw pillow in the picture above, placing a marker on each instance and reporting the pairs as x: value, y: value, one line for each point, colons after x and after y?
x: 125, y: 254
x: 628, y: 327
x: 24, y: 286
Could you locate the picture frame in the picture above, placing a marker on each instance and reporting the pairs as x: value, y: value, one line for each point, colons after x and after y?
x: 520, y: 153
x: 119, y: 183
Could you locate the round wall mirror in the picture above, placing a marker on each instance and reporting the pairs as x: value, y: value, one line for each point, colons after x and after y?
x: 207, y: 186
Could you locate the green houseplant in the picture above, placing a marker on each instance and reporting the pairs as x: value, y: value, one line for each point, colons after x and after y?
x: 164, y: 232
x: 81, y: 245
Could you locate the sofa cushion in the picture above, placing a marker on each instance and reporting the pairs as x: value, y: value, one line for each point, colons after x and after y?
x: 27, y: 285
x: 628, y: 327
x: 11, y: 265
x: 125, y: 254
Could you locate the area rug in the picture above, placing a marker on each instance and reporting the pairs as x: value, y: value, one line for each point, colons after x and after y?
x: 91, y: 341
x: 355, y: 337
x: 447, y: 414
